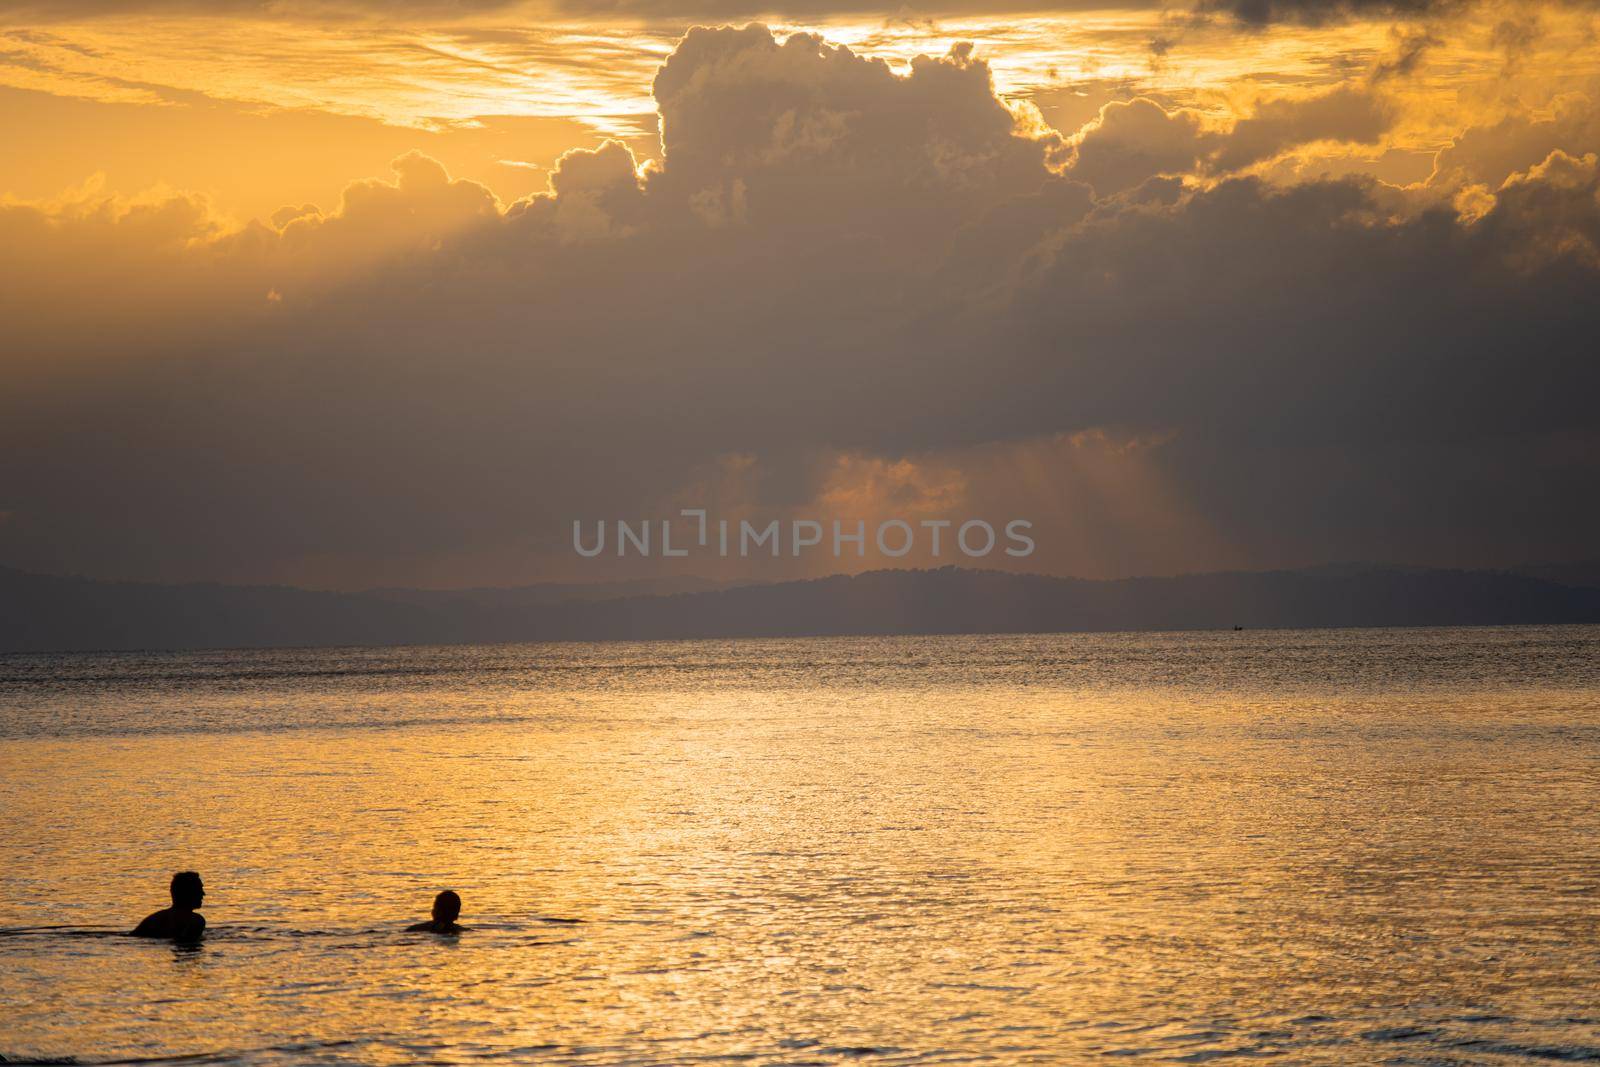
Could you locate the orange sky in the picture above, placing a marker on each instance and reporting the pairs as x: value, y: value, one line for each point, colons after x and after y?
x: 284, y: 104
x: 345, y: 293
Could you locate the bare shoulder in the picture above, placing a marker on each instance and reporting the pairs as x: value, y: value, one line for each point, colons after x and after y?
x: 169, y: 923
x: 156, y: 924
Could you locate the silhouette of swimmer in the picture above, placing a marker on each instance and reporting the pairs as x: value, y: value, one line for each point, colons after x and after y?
x: 182, y: 921
x: 446, y: 910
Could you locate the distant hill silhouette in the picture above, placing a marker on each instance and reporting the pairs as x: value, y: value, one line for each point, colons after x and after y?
x: 1582, y: 573
x: 44, y: 613
x: 524, y: 596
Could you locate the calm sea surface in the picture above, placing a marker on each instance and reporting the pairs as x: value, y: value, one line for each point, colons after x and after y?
x: 1324, y: 847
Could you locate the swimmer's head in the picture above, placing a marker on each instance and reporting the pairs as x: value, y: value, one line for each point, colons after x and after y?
x: 446, y: 907
x: 187, y: 890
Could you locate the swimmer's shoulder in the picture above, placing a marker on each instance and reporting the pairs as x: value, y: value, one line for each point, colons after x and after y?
x: 156, y: 924
x: 171, y: 924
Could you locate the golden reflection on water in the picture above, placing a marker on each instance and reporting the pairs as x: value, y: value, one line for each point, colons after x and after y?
x: 1383, y: 852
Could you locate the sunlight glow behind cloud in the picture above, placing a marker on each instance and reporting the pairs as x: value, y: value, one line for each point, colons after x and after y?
x: 1205, y: 293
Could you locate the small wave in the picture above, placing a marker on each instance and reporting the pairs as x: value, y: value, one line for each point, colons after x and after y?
x: 232, y: 933
x: 859, y: 1051
x: 58, y: 931
x: 1552, y: 1053
x: 216, y: 1056
x: 1399, y: 1033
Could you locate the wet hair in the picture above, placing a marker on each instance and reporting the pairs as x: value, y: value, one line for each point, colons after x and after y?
x: 447, y: 906
x: 186, y: 886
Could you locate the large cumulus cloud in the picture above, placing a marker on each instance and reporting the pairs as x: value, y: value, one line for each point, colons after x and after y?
x: 1133, y: 140
x: 832, y: 270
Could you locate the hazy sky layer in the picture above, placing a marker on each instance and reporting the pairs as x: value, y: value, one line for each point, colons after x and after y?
x: 349, y: 294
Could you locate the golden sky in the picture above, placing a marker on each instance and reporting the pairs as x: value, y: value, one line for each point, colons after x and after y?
x: 348, y: 293
x: 266, y: 104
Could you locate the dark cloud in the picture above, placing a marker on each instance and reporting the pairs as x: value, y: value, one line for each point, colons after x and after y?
x: 1138, y: 139
x: 1258, y: 13
x: 1353, y: 115
x: 1411, y: 47
x: 828, y: 260
x: 1515, y: 36
x: 1319, y: 12
x: 1312, y: 314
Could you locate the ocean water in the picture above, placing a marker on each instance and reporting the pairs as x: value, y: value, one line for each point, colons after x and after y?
x: 1326, y: 847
